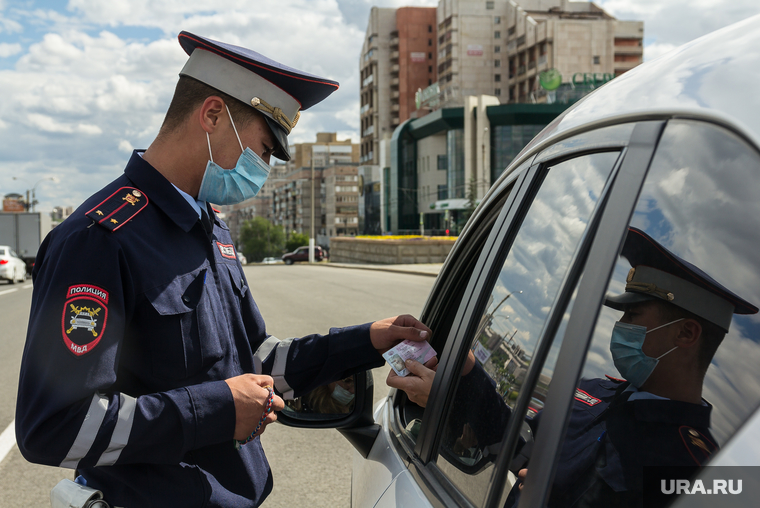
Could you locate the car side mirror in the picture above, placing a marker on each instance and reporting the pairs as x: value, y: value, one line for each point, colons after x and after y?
x: 329, y: 407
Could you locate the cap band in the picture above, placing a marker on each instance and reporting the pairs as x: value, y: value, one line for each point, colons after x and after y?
x: 688, y: 296
x: 244, y: 85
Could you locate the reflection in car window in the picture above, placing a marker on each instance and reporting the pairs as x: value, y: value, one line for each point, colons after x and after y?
x: 690, y: 256
x: 2, y: 252
x: 511, y: 324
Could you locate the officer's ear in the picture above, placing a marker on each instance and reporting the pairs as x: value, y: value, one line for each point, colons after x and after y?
x: 210, y: 113
x: 689, y: 333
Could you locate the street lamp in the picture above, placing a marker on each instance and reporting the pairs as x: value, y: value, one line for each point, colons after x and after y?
x: 34, y: 200
x: 31, y: 203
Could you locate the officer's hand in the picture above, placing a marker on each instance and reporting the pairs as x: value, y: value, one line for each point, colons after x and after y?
x: 250, y: 398
x: 386, y: 333
x: 419, y: 381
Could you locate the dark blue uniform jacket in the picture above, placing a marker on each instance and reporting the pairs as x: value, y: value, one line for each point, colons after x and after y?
x: 136, y: 320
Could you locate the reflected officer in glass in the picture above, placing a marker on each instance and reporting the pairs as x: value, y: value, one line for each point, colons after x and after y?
x: 674, y: 318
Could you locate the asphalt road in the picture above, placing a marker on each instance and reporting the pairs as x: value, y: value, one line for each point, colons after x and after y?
x: 311, y: 467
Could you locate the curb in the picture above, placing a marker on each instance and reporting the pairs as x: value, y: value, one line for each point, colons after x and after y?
x: 378, y: 268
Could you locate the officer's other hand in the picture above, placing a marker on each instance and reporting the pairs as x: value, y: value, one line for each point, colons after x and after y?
x: 388, y: 332
x: 419, y: 381
x: 250, y: 398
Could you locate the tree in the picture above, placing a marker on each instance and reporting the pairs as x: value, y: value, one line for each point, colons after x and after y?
x: 296, y: 240
x: 261, y: 238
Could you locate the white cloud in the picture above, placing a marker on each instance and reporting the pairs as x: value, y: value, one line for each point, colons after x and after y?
x: 7, y: 50
x: 125, y: 146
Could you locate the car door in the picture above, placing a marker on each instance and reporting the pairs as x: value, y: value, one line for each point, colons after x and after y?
x: 503, y: 306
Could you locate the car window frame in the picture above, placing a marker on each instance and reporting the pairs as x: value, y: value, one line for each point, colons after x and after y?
x: 603, y: 246
x: 437, y: 487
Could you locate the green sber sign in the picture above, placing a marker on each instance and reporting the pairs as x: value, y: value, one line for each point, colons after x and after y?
x: 550, y: 79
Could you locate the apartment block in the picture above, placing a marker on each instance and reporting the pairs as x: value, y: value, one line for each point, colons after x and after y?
x: 500, y: 48
x: 341, y: 189
x: 398, y: 58
x: 299, y: 186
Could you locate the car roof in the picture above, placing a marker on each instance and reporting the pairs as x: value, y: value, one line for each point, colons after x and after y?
x: 712, y: 77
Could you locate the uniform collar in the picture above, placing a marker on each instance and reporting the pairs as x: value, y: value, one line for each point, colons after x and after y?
x: 160, y: 191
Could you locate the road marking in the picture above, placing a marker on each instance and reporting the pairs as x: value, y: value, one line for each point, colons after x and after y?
x: 28, y: 286
x: 7, y: 440
x: 8, y: 291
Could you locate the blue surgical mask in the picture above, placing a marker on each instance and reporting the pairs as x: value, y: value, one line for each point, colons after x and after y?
x: 229, y: 186
x: 630, y: 360
x: 342, y: 396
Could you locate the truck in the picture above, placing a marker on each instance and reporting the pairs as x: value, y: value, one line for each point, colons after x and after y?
x: 24, y: 232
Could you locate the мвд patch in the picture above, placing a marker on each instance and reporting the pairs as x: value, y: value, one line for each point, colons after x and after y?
x: 84, y: 318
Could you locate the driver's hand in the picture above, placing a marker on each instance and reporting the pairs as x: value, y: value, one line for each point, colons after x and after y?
x: 521, y: 474
x: 419, y: 381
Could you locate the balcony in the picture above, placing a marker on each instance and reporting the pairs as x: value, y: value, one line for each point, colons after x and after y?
x: 520, y: 70
x: 364, y: 109
x: 394, y: 81
x: 394, y: 55
x: 628, y: 50
x: 541, y: 60
x: 394, y: 68
x: 394, y: 94
x: 394, y: 120
x: 369, y: 79
x: 368, y: 131
x: 394, y: 107
x: 394, y: 42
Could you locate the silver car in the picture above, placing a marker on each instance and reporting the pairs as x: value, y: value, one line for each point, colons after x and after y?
x: 669, y: 151
x: 12, y: 267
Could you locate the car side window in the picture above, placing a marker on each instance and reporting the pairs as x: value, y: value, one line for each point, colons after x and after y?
x: 511, y: 325
x: 671, y: 372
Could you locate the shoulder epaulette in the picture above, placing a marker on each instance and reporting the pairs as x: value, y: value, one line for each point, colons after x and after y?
x: 119, y: 208
x: 697, y: 444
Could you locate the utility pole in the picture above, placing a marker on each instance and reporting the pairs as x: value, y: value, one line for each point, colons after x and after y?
x: 311, y: 233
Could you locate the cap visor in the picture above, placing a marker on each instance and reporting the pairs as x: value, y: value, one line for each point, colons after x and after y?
x: 282, y: 151
x: 620, y: 302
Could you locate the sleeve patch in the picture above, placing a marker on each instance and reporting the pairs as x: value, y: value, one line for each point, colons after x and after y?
x: 119, y: 208
x: 84, y: 318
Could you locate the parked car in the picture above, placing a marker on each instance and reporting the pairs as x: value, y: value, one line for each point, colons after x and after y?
x: 271, y: 261
x: 671, y: 148
x: 242, y: 258
x: 302, y: 254
x: 12, y: 267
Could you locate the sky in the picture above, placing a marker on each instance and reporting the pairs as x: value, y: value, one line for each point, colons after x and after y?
x: 84, y: 82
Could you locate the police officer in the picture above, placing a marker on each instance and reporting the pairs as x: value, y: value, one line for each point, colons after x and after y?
x: 147, y: 366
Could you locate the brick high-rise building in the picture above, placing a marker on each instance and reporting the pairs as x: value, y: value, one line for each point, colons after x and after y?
x: 398, y: 58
